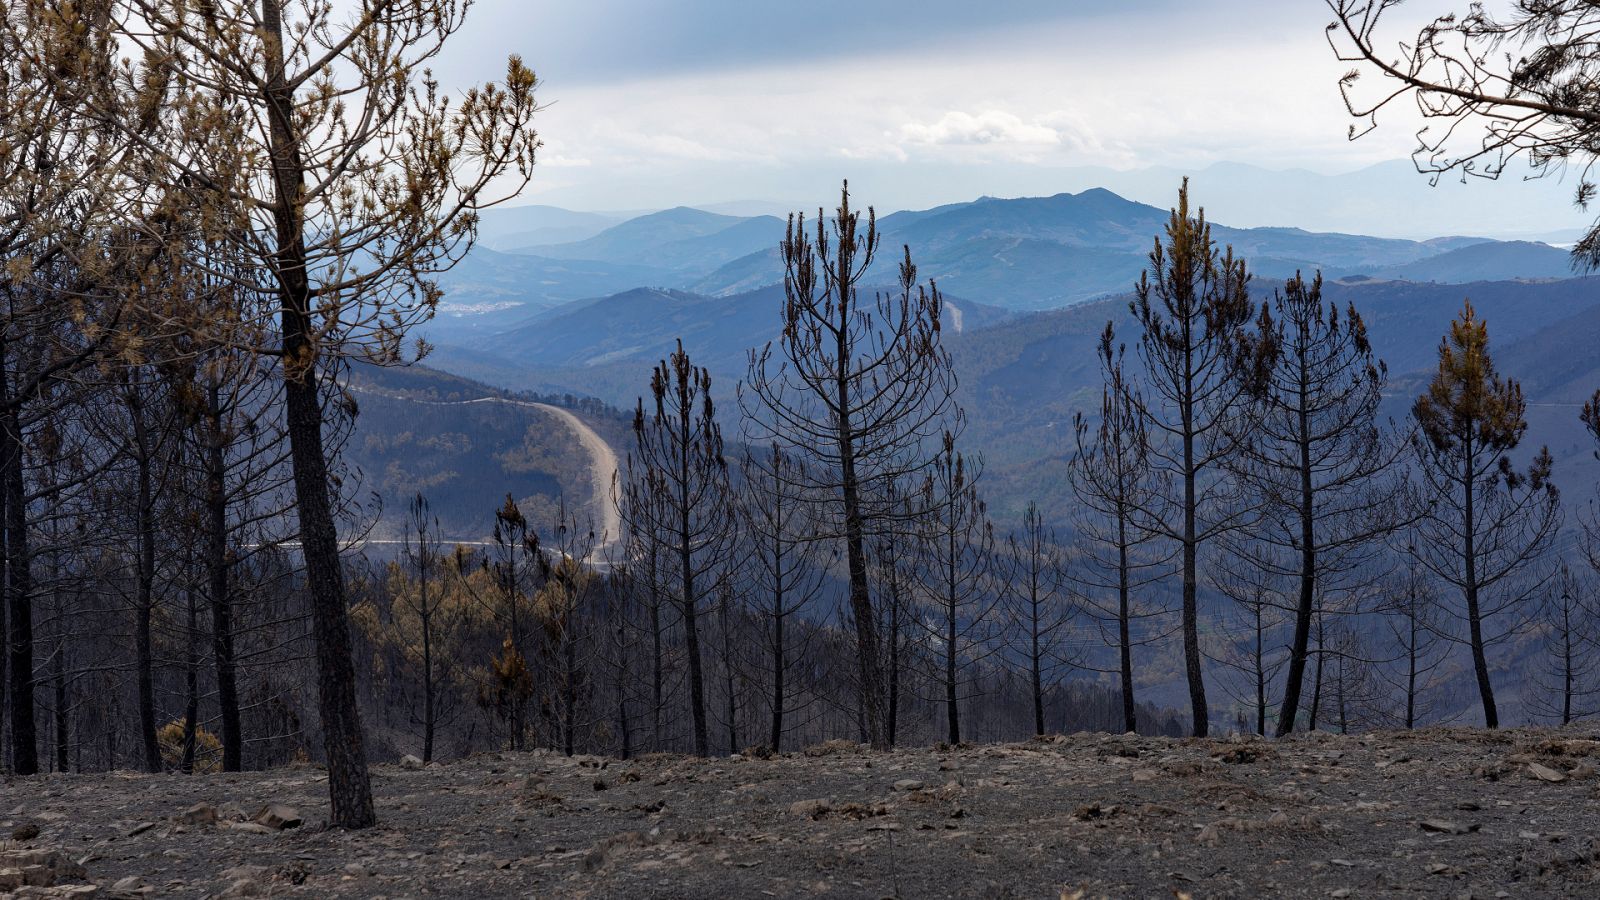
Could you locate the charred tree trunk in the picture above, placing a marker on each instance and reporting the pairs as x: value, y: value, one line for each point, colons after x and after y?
x: 1130, y: 714
x: 349, y: 785
x: 191, y: 687
x: 1480, y: 662
x: 19, y: 584
x: 145, y: 576
x: 217, y: 565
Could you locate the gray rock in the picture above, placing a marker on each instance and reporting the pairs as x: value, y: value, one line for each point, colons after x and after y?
x: 810, y: 809
x: 199, y: 814
x: 277, y: 817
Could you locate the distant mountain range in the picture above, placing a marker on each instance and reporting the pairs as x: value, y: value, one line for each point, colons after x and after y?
x: 1016, y: 254
x: 1029, y: 286
x: 1029, y: 283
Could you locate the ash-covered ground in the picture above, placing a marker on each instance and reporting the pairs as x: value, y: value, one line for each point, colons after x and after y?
x: 1448, y: 813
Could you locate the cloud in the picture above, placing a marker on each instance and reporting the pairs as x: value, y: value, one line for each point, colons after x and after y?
x: 557, y: 161
x: 1058, y: 136
x: 988, y: 127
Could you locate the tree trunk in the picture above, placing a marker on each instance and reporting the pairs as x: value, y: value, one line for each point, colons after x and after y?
x: 5, y: 602
x: 727, y: 674
x: 19, y: 586
x: 569, y: 686
x: 1038, y: 681
x: 778, y: 663
x: 1411, y: 667
x: 952, y: 709
x: 1261, y: 678
x: 1480, y: 662
x: 894, y: 662
x: 1130, y: 713
x: 687, y: 600
x: 349, y: 785
x: 191, y: 687
x: 1566, y: 664
x: 1308, y: 587
x: 868, y: 668
x: 624, y: 727
x: 217, y: 578
x: 428, y: 688
x: 144, y: 599
x: 656, y: 675
x: 1199, y: 712
x: 697, y: 688
x: 1316, y: 681
x: 62, y: 717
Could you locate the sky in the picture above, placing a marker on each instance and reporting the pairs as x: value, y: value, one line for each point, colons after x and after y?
x: 757, y: 104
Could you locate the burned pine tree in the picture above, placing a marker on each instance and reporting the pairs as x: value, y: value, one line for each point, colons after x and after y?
x: 955, y: 568
x: 421, y: 551
x: 1312, y: 451
x: 1567, y: 680
x: 1484, y: 526
x: 1111, y: 477
x: 319, y: 146
x: 855, y: 388
x: 787, y: 573
x: 640, y: 506
x: 893, y: 559
x: 564, y: 608
x: 1258, y: 603
x: 678, y: 463
x: 1193, y: 306
x: 514, y: 560
x: 1039, y: 607
x: 67, y: 257
x: 1410, y: 611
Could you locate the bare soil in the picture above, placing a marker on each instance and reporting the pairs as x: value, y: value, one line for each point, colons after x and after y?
x: 1449, y: 813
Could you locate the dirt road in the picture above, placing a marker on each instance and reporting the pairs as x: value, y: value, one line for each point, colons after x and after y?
x: 603, y: 463
x: 603, y: 468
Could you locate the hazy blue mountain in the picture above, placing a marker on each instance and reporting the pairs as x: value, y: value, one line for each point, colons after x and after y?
x: 511, y: 228
x: 1020, y: 254
x: 1044, y: 252
x: 489, y: 291
x: 641, y: 326
x: 1024, y: 378
x: 1492, y: 261
x: 680, y: 239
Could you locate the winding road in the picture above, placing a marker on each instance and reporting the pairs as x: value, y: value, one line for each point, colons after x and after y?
x: 603, y: 469
x: 602, y: 460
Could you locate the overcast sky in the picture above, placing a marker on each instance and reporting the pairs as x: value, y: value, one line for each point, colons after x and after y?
x: 655, y: 103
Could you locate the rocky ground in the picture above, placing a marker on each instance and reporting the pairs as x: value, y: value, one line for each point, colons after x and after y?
x: 1449, y: 813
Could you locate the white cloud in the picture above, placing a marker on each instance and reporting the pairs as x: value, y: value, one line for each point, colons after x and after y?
x: 557, y: 161
x: 1007, y: 108
x: 991, y: 126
